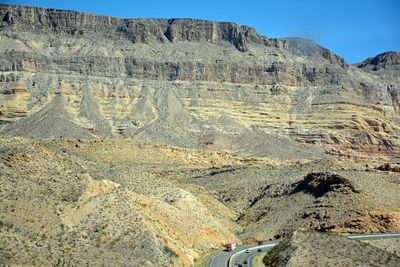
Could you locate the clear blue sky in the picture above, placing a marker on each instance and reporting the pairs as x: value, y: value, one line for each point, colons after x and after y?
x: 353, y: 29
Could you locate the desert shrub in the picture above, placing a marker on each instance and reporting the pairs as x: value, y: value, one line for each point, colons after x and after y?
x: 170, y: 252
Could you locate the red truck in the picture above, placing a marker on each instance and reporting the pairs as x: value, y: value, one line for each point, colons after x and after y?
x: 231, y: 246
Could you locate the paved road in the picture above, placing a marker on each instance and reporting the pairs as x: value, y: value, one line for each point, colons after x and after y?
x: 225, y: 258
x: 221, y: 258
x: 242, y: 256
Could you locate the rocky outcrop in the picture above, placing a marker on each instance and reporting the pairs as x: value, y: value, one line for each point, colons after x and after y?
x: 148, y: 31
x: 386, y: 66
x: 384, y: 60
x: 376, y: 221
x: 136, y: 30
x: 318, y: 184
x: 391, y: 167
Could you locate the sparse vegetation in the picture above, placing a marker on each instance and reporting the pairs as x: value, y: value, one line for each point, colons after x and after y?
x: 151, y: 142
x: 169, y: 252
x: 300, y: 249
x: 108, y: 217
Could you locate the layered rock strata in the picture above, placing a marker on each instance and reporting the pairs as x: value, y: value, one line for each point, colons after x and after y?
x: 190, y: 83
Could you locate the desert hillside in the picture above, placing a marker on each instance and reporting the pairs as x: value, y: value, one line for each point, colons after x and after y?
x: 106, y: 202
x: 81, y: 201
x: 154, y: 142
x: 307, y: 248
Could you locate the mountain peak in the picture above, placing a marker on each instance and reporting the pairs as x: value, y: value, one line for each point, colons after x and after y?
x: 384, y: 60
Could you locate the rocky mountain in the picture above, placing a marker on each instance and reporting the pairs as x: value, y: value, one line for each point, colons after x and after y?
x: 190, y: 83
x: 386, y: 61
x: 387, y: 67
x: 153, y: 142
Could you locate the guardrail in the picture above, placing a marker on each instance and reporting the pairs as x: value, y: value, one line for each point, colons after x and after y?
x: 371, y: 236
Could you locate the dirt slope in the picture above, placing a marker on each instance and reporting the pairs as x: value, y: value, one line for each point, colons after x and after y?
x: 306, y: 248
x: 61, y: 205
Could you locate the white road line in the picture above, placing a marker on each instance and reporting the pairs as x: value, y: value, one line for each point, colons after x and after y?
x: 213, y: 257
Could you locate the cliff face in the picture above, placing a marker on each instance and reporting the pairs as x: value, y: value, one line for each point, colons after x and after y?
x: 384, y: 60
x: 190, y: 83
x: 156, y: 31
x: 386, y: 67
x: 135, y: 30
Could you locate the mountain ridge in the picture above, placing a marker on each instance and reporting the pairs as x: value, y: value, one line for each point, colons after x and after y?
x: 163, y: 30
x: 118, y: 78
